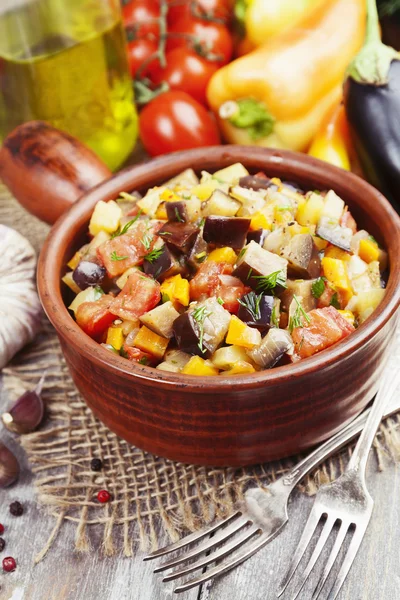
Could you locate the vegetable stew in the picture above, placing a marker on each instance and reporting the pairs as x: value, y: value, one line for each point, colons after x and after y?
x: 229, y: 273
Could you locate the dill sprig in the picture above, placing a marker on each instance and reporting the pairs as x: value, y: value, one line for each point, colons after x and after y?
x: 114, y: 256
x: 146, y: 241
x: 152, y: 256
x: 126, y: 227
x: 251, y: 303
x: 266, y: 283
x: 199, y: 315
x: 297, y: 319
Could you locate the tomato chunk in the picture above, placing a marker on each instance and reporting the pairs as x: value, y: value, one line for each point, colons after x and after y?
x: 326, y: 327
x: 231, y: 295
x: 136, y: 355
x: 95, y: 317
x: 140, y: 294
x: 206, y: 281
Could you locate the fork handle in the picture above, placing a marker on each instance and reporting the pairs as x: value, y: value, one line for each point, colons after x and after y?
x: 359, y: 458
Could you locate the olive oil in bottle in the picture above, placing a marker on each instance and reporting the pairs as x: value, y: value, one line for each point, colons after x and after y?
x: 64, y: 61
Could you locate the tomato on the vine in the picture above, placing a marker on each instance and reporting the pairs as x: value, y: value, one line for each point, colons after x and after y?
x: 139, y: 51
x: 142, y: 16
x: 185, y: 71
x: 210, y: 36
x: 175, y: 121
x: 211, y: 9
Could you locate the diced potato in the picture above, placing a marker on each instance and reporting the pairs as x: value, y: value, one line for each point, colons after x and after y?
x: 199, y: 366
x: 319, y: 242
x: 187, y: 179
x: 75, y: 260
x: 310, y: 212
x: 216, y: 324
x: 278, y: 239
x: 223, y: 255
x: 169, y: 196
x: 250, y: 200
x: 160, y: 319
x: 231, y: 174
x: 150, y: 203
x: 177, y: 357
x: 101, y: 238
x: 240, y: 334
x: 91, y: 294
x: 204, y: 190
x: 167, y: 366
x: 240, y: 368
x: 220, y: 204
x: 256, y: 261
x: 151, y: 342
x: 193, y: 208
x: 121, y: 281
x: 368, y: 250
x: 105, y: 217
x: 226, y: 358
x: 69, y: 281
x: 335, y: 252
x: 115, y: 337
x: 348, y: 315
x: 356, y: 267
x: 333, y: 206
x: 296, y: 229
x: 336, y: 273
x: 365, y: 303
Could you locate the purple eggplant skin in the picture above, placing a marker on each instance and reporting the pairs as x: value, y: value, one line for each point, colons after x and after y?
x: 187, y: 335
x: 179, y: 236
x: 160, y: 265
x: 176, y: 211
x: 198, y: 253
x: 88, y: 274
x: 226, y: 231
x: 303, y: 257
x: 373, y: 112
x: 257, y: 236
x: 266, y: 306
x: 253, y: 182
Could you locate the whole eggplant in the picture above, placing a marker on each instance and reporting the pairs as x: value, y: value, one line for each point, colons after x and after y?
x: 372, y: 103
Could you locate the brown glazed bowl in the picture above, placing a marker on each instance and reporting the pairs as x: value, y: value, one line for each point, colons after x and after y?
x: 227, y: 420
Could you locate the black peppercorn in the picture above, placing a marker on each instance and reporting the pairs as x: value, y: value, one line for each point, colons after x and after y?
x: 16, y: 508
x: 96, y: 464
x: 2, y: 544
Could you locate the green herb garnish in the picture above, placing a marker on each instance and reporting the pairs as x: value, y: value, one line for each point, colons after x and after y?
x: 220, y: 301
x: 335, y: 301
x: 143, y: 360
x: 114, y: 256
x: 251, y: 303
x: 146, y: 241
x: 249, y: 273
x: 274, y: 318
x: 199, y: 315
x: 318, y: 287
x: 201, y: 257
x: 165, y: 298
x: 152, y: 256
x: 296, y: 320
x: 241, y: 253
x: 123, y: 352
x: 126, y: 226
x: 202, y: 222
x: 99, y: 292
x: 266, y: 283
x: 178, y: 216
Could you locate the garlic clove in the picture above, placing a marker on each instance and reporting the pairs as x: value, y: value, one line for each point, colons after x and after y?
x: 9, y: 467
x: 27, y: 413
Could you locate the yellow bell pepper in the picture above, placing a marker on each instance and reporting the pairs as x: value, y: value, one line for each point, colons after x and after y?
x: 240, y: 368
x: 223, y: 255
x: 335, y: 252
x: 259, y: 221
x: 169, y: 196
x: 115, y: 337
x: 278, y: 94
x: 348, y: 315
x: 368, y: 250
x: 199, y: 366
x: 330, y: 143
x: 335, y: 271
x: 241, y: 334
x: 177, y: 289
x: 151, y: 342
x: 264, y: 19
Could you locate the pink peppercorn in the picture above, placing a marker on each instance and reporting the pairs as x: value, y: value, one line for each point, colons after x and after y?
x: 9, y: 564
x: 103, y: 496
x: 1, y: 529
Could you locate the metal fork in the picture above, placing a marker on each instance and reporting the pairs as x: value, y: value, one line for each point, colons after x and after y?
x: 346, y: 501
x: 259, y: 520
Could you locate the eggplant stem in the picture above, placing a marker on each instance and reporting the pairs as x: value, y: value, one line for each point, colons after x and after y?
x: 373, y: 33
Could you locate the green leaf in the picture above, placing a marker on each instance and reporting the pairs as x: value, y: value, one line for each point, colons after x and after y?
x: 266, y: 283
x: 318, y: 287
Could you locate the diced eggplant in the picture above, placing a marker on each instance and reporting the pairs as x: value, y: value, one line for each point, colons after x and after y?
x: 273, y: 346
x: 187, y: 334
x: 302, y: 256
x: 176, y: 211
x: 179, y: 236
x: 333, y: 206
x: 302, y: 289
x: 256, y: 310
x: 88, y: 274
x: 253, y: 182
x: 256, y: 262
x: 226, y: 231
x: 277, y: 240
x: 330, y: 230
x: 198, y: 252
x: 161, y: 319
x: 160, y: 265
x: 216, y: 325
x: 221, y: 205
x: 251, y: 200
x: 257, y: 236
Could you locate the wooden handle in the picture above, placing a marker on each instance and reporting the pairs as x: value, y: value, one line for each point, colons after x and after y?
x: 47, y: 170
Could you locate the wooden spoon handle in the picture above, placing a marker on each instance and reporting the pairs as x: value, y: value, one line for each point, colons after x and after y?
x: 47, y: 170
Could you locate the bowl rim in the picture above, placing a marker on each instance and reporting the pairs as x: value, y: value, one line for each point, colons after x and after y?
x: 79, y: 213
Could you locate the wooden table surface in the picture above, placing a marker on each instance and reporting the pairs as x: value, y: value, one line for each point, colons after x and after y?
x: 67, y: 575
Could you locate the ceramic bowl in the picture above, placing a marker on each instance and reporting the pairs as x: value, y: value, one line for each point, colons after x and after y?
x: 238, y: 420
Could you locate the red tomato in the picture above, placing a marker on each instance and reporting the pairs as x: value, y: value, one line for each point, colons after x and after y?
x: 326, y: 327
x: 212, y: 37
x: 185, y: 71
x: 175, y: 121
x: 95, y: 317
x: 220, y: 9
x: 139, y: 295
x: 142, y: 15
x: 139, y: 51
x: 137, y: 355
x: 231, y: 294
x: 206, y: 281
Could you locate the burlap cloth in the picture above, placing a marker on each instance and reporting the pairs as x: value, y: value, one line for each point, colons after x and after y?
x: 147, y: 491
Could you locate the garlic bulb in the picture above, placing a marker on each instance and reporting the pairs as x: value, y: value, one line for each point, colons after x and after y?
x: 20, y: 308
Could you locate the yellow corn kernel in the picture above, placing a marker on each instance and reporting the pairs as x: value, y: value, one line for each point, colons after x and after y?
x: 75, y: 260
x: 162, y: 212
x: 199, y: 366
x: 169, y: 196
x: 259, y: 221
x: 223, y: 255
x: 105, y: 217
x: 348, y: 315
x: 334, y: 252
x: 115, y: 337
x: 177, y: 289
x: 241, y: 334
x: 240, y: 367
x: 151, y: 342
x: 319, y: 242
x: 336, y: 273
x: 368, y: 250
